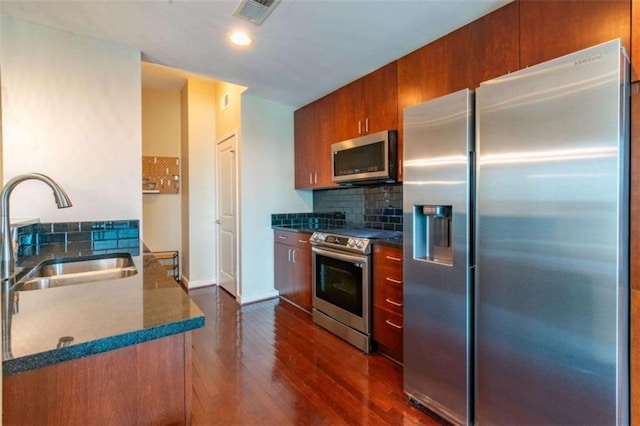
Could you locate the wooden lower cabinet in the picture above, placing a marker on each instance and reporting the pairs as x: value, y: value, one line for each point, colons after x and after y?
x: 388, y: 300
x: 148, y: 383
x: 292, y: 267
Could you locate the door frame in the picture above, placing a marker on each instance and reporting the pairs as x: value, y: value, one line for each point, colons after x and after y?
x: 235, y: 135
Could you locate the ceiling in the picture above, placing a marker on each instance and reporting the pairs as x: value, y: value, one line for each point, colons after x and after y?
x: 304, y: 50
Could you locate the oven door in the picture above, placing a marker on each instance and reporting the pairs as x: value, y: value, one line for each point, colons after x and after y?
x: 341, y: 287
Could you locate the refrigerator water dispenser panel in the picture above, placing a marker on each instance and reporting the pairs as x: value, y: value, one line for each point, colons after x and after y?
x: 432, y: 230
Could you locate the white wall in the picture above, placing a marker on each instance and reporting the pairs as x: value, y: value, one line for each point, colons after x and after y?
x: 71, y: 110
x: 161, y: 137
x: 198, y: 169
x: 266, y: 187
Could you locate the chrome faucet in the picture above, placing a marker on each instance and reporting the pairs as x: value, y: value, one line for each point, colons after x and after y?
x: 7, y: 257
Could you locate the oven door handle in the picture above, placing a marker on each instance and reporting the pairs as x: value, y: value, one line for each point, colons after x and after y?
x: 353, y: 258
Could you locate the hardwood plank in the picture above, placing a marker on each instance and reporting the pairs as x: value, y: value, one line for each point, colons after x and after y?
x: 267, y: 363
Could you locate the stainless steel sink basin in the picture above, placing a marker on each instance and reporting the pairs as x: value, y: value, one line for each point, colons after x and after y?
x: 77, y: 270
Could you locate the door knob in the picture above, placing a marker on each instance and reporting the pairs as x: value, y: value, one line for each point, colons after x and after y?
x: 218, y: 221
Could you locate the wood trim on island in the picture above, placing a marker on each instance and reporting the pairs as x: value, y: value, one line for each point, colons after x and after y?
x: 148, y: 383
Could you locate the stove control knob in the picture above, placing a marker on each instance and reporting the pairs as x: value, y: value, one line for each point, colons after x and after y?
x: 322, y: 237
x: 359, y: 244
x: 351, y: 242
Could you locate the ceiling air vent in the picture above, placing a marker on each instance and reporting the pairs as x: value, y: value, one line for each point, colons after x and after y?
x: 255, y: 11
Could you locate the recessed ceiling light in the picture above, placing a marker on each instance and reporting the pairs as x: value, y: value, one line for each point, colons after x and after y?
x: 240, y: 38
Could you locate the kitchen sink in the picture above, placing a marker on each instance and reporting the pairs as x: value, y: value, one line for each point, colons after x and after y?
x: 77, y: 270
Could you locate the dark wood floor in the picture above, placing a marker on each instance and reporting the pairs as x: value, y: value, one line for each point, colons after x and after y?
x: 267, y: 364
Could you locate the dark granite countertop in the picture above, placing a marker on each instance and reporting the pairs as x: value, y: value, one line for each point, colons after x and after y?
x: 295, y: 229
x: 396, y: 241
x: 98, y: 316
x: 392, y: 242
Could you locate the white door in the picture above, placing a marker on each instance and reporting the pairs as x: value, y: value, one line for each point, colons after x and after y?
x: 226, y: 215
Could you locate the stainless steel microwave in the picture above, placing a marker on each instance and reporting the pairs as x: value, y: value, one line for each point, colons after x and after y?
x: 366, y: 160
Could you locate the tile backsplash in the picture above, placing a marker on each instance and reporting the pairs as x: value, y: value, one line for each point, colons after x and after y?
x: 326, y: 220
x: 80, y: 238
x: 377, y: 207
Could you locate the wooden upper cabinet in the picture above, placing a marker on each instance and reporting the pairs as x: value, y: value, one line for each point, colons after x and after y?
x: 367, y: 105
x: 304, y: 131
x: 422, y: 75
x: 484, y: 49
x: 550, y: 29
x: 348, y: 102
x: 325, y: 118
x: 635, y: 40
x: 313, y: 133
x: 380, y: 89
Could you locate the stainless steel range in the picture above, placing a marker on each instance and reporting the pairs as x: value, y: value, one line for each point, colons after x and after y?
x: 341, y: 265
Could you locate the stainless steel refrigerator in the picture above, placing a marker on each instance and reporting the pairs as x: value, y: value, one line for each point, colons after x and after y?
x: 516, y: 286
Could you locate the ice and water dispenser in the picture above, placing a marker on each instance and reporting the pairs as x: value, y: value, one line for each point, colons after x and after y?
x: 432, y: 232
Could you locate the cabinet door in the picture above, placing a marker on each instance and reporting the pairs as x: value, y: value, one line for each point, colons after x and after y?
x: 325, y: 125
x: 304, y: 145
x: 301, y: 277
x: 549, y: 29
x: 388, y: 332
x: 422, y: 75
x: 283, y: 273
x: 485, y: 48
x: 380, y: 90
x: 349, y: 107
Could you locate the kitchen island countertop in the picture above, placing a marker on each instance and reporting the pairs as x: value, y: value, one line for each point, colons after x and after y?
x: 64, y: 323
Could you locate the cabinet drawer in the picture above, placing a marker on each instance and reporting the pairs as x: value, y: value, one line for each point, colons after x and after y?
x: 387, y: 331
x: 296, y: 239
x: 387, y: 293
x: 387, y: 257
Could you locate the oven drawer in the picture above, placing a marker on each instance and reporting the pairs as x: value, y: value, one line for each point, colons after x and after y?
x: 292, y: 238
x: 387, y: 331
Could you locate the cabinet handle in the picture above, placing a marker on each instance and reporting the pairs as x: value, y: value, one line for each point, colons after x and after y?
x: 282, y: 237
x: 366, y: 125
x: 393, y: 303
x: 294, y: 252
x: 393, y: 280
x: 315, y: 180
x: 289, y: 255
x: 310, y: 178
x: 393, y: 324
x: 396, y: 259
x: 359, y: 127
x: 303, y: 241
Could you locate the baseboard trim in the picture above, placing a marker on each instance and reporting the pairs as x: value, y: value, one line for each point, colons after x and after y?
x: 243, y: 300
x: 196, y: 284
